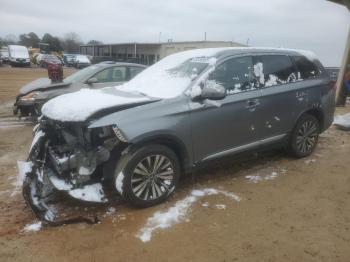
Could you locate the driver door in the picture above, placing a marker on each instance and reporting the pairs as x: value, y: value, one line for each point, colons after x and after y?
x: 233, y: 125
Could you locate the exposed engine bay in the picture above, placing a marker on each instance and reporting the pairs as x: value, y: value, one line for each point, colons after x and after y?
x: 67, y: 157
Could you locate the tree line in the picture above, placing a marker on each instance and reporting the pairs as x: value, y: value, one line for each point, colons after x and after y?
x: 69, y: 43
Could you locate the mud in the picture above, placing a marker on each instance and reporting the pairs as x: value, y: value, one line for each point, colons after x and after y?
x: 297, y: 210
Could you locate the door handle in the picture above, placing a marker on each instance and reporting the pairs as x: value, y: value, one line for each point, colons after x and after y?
x: 252, y: 103
x: 300, y: 95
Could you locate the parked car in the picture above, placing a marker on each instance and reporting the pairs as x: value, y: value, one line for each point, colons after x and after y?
x: 34, y: 94
x: 46, y: 59
x: 333, y: 72
x: 81, y: 61
x: 18, y: 55
x: 69, y: 59
x: 4, y: 54
x: 187, y: 109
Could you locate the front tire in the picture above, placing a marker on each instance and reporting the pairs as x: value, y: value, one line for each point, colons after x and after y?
x: 147, y: 176
x: 304, y: 137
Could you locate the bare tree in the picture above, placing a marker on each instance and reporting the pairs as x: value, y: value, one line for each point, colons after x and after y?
x: 71, y: 42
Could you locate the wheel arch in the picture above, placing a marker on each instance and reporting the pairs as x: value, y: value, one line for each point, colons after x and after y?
x: 170, y: 141
x: 318, y: 114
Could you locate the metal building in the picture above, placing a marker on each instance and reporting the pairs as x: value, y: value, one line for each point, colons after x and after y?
x: 146, y: 53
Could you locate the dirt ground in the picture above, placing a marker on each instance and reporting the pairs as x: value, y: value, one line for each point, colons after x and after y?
x: 301, y: 214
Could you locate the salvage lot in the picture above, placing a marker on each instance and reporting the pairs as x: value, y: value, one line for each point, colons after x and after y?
x: 289, y: 210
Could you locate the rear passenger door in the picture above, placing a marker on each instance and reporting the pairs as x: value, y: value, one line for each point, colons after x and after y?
x: 283, y: 95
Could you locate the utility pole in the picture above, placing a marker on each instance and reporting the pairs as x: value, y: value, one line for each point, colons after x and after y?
x: 205, y: 36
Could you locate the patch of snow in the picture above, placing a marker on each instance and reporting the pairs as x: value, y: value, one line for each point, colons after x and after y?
x: 342, y: 121
x: 176, y: 214
x: 272, y: 81
x: 309, y: 161
x: 205, y: 204
x: 110, y: 211
x: 119, y: 183
x: 23, y: 168
x: 220, y: 206
x: 60, y: 184
x: 254, y: 179
x: 91, y: 193
x: 34, y: 227
x: 272, y: 176
x: 196, y: 91
x: 259, y: 72
x: 78, y: 106
x: 277, y: 118
x: 36, y: 139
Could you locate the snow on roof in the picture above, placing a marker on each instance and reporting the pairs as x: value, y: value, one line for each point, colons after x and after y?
x: 78, y: 106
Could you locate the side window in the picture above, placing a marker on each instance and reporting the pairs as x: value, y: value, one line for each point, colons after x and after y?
x: 104, y: 76
x: 275, y: 70
x: 306, y: 68
x: 134, y: 70
x: 235, y: 74
x: 118, y: 74
x: 112, y: 74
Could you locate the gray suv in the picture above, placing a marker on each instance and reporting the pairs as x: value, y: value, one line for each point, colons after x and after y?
x: 187, y: 109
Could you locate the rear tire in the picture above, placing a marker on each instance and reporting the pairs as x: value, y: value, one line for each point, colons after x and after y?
x: 304, y: 137
x: 147, y: 175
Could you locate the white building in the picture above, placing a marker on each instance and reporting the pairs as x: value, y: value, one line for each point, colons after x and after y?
x: 146, y: 53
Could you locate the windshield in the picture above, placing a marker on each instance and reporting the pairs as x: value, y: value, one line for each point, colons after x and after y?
x: 82, y: 74
x: 172, y: 75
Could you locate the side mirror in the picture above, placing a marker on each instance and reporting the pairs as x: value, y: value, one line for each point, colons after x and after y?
x: 92, y: 80
x: 212, y: 90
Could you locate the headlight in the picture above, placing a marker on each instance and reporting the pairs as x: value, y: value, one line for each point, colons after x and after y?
x: 32, y: 96
x: 28, y: 97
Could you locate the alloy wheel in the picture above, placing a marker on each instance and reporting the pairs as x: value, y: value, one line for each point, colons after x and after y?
x: 307, y: 136
x: 152, y: 177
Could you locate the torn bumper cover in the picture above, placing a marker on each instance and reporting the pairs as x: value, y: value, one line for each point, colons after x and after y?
x: 66, y: 162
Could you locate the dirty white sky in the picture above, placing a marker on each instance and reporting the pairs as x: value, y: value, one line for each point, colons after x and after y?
x: 316, y: 25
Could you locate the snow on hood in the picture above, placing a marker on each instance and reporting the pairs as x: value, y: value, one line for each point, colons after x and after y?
x: 78, y: 106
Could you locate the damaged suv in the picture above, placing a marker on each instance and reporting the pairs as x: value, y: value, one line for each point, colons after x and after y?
x: 189, y: 108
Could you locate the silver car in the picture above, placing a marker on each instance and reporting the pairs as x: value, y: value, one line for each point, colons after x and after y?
x: 34, y: 94
x: 187, y: 109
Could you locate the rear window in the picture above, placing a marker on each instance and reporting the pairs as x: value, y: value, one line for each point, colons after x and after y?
x: 306, y: 68
x: 277, y: 70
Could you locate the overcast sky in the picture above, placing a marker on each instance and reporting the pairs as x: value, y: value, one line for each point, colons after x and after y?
x: 316, y: 25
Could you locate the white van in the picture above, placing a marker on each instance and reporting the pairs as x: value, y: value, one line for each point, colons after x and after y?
x: 19, y: 55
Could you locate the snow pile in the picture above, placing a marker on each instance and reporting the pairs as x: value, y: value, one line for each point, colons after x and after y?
x: 91, y: 193
x: 34, y: 227
x: 342, y: 121
x: 178, y: 213
x: 78, y: 106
